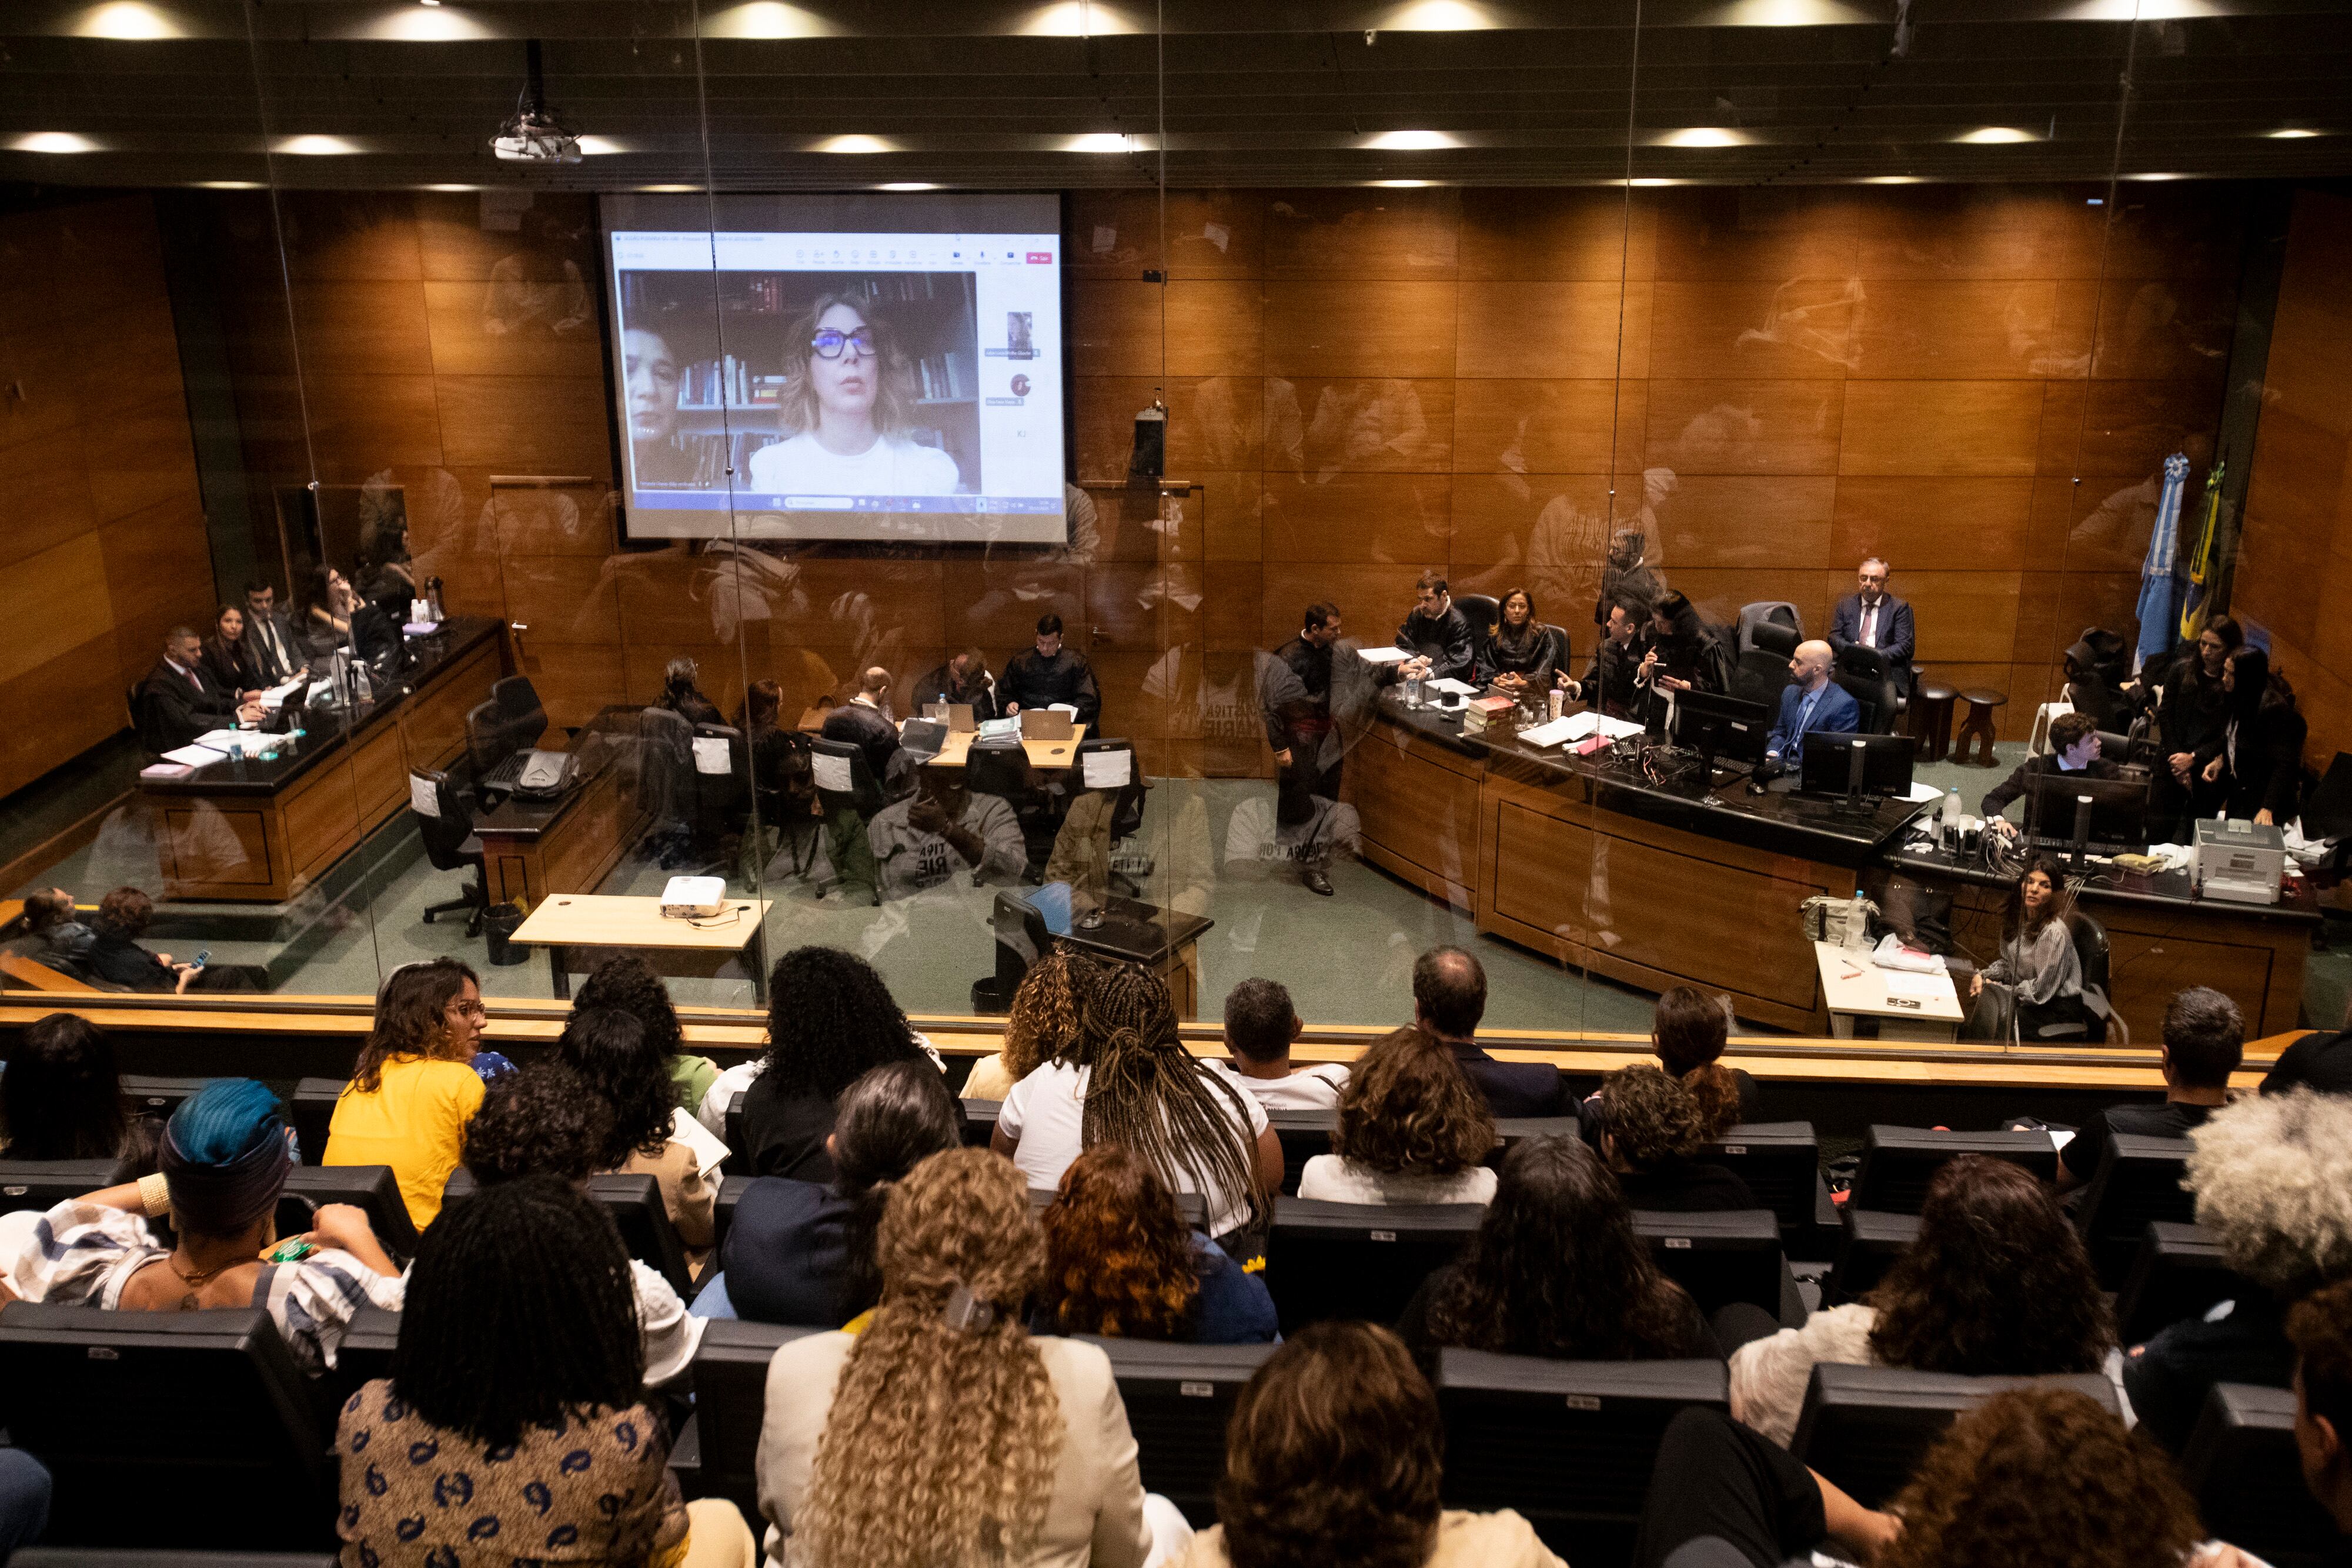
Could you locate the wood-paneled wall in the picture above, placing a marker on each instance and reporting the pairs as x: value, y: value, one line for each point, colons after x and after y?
x: 1979, y: 382
x: 103, y: 546
x: 2294, y: 551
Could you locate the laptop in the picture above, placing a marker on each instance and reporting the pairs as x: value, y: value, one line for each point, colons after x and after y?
x: 923, y: 738
x: 957, y: 716
x: 1044, y: 724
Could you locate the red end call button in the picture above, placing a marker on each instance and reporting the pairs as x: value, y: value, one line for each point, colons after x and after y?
x: 1041, y: 258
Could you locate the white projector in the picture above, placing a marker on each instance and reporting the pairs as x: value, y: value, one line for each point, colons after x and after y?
x: 694, y: 897
x: 535, y: 138
x: 2237, y: 862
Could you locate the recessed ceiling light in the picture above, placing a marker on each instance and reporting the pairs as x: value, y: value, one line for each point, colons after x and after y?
x: 1703, y: 136
x: 854, y: 144
x: 2290, y: 134
x: 1653, y: 181
x: 1074, y: 19
x: 448, y: 187
x: 768, y: 19
x: 228, y: 185
x: 670, y: 189
x: 1410, y: 142
x: 908, y: 185
x: 2165, y: 176
x: 1784, y: 14
x: 317, y: 146
x: 54, y: 141
x: 128, y: 19
x: 1401, y: 185
x: 428, y: 1
x: 1996, y: 135
x: 603, y: 146
x: 1437, y: 17
x: 1894, y: 180
x: 2141, y: 11
x: 1096, y: 141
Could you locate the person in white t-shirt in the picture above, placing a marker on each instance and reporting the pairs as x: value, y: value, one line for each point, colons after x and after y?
x: 1260, y: 1025
x: 1197, y: 1131
x: 846, y: 413
x: 1412, y: 1129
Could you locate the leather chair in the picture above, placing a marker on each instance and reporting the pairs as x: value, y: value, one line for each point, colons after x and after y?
x: 1482, y: 610
x: 1761, y: 676
x: 1870, y: 665
x: 1877, y: 698
x: 1772, y: 618
x: 1773, y: 638
x: 450, y: 844
x: 1127, y: 813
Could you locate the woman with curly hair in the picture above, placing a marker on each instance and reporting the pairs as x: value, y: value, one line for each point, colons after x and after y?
x: 1041, y: 1024
x: 2033, y: 990
x: 1129, y: 1080
x: 1651, y: 1130
x: 2036, y: 1477
x: 413, y: 1087
x: 1121, y: 1260
x: 943, y: 1436
x: 1996, y: 1285
x: 2272, y: 1177
x: 623, y: 1065
x: 629, y: 983
x: 847, y: 410
x: 1412, y: 1129
x: 1555, y: 1270
x: 831, y: 1020
x: 1335, y: 1454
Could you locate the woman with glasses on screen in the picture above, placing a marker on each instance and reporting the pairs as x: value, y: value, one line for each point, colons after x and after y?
x: 846, y: 413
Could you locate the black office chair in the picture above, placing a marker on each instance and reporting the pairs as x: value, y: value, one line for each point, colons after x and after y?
x: 1179, y: 1398
x: 1772, y: 624
x: 722, y: 783
x: 312, y: 1113
x: 450, y: 845
x: 1568, y: 1444
x: 2179, y: 1274
x: 634, y: 1203
x: 1876, y: 697
x: 1127, y: 813
x: 730, y: 1400
x: 864, y: 795
x: 373, y: 1189
x: 2138, y: 1180
x: 1761, y: 676
x: 1484, y: 612
x: 2100, y: 1019
x: 2243, y: 1465
x: 1772, y: 637
x: 1356, y: 1260
x: 1897, y: 1163
x: 1781, y: 1164
x: 1874, y: 666
x: 1303, y: 1135
x: 1729, y: 1255
x: 248, y: 1426
x: 1867, y: 1427
x: 1869, y: 1240
x: 42, y: 1185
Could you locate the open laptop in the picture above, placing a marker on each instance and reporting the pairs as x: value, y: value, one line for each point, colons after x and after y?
x: 1044, y: 724
x: 957, y: 716
x: 923, y: 738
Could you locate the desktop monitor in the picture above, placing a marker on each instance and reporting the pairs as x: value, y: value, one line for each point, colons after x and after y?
x: 1828, y: 767
x: 2054, y: 816
x: 1718, y: 727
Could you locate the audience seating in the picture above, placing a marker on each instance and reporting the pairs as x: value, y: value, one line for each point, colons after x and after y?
x: 2179, y: 1274
x: 1868, y: 1244
x: 1728, y: 1256
x: 366, y: 1351
x: 1303, y: 1135
x: 45, y: 1184
x: 979, y: 1122
x: 1511, y: 1129
x: 158, y: 1097
x: 635, y: 1202
x: 1781, y: 1164
x: 2241, y: 1466
x: 1897, y: 1163
x: 312, y: 1111
x: 1357, y: 1260
x: 1191, y: 1205
x: 1179, y: 1399
x: 730, y: 1398
x: 2138, y: 1180
x: 1866, y: 1428
x: 722, y: 1215
x: 169, y: 1429
x: 370, y: 1187
x: 1568, y: 1444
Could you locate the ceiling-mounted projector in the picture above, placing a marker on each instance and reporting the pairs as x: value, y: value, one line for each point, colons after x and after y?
x: 532, y: 134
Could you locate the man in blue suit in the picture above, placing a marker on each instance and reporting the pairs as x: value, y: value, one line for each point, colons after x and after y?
x: 1872, y: 618
x: 1810, y: 703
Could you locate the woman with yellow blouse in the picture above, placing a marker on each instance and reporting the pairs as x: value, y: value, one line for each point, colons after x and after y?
x: 413, y: 1088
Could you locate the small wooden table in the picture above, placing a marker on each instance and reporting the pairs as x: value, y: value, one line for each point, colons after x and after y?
x: 957, y: 750
x: 1927, y: 1009
x: 602, y: 920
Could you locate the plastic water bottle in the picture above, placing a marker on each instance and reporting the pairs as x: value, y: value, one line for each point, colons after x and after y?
x: 1950, y: 835
x: 1857, y: 928
x: 1413, y: 692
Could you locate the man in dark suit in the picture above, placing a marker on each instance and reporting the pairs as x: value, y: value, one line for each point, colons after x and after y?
x: 1810, y: 703
x: 1874, y: 618
x: 1608, y: 683
x: 1449, y: 998
x: 178, y: 701
x: 270, y: 641
x: 1295, y: 703
x: 1436, y: 635
x: 2074, y: 749
x: 1049, y: 673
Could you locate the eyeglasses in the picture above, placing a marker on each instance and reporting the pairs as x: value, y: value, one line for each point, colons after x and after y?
x: 828, y: 343
x: 469, y: 1009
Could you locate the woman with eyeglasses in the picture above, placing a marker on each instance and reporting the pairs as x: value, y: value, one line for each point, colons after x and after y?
x: 414, y: 1088
x: 847, y: 413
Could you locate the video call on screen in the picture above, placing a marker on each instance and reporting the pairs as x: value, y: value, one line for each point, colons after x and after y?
x: 882, y: 368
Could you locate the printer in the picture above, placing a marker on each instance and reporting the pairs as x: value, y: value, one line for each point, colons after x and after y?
x: 2237, y: 862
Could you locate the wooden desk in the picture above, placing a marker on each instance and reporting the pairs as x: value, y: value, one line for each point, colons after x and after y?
x: 594, y: 920
x: 261, y: 830
x: 1164, y: 941
x: 535, y: 849
x: 957, y: 750
x: 1867, y: 995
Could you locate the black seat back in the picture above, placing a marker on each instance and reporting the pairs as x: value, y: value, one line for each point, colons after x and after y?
x: 1568, y: 1444
x: 634, y: 1203
x: 979, y: 1122
x: 227, y: 1415
x: 1776, y: 637
x: 1866, y: 1428
x: 371, y: 1188
x: 144, y: 1095
x: 1876, y: 697
x: 1897, y: 1163
x: 730, y: 1399
x: 723, y: 787
x: 312, y: 1113
x: 865, y: 792
x: 1511, y: 1130
x: 493, y: 736
x: 1002, y: 771
x: 1761, y: 676
x: 1779, y: 1161
x: 1179, y: 1399
x: 2091, y: 952
x: 40, y: 1185
x: 444, y: 832
x: 1303, y: 1135
x: 1731, y: 1255
x: 2242, y: 1466
x: 1357, y: 1260
x: 2178, y: 1272
x: 1483, y: 611
x: 2138, y: 1180
x: 1869, y: 1240
x: 517, y: 702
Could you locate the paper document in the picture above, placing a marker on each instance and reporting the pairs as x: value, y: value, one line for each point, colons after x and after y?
x: 1909, y: 983
x: 1552, y: 734
x: 831, y: 773
x: 1108, y: 770
x: 2060, y: 1140
x: 710, y: 754
x: 998, y: 728
x: 1382, y: 656
x: 1452, y: 687
x: 1601, y: 724
x: 193, y: 755
x: 1922, y: 793
x: 423, y: 799
x: 275, y: 697
x: 165, y: 771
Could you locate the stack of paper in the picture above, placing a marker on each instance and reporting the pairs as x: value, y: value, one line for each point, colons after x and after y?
x: 1382, y: 656
x: 1452, y: 687
x: 1601, y: 724
x: 192, y: 756
x: 1552, y: 734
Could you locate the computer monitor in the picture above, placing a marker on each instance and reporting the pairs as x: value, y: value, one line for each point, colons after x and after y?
x: 1829, y: 764
x: 2054, y: 817
x: 1721, y: 728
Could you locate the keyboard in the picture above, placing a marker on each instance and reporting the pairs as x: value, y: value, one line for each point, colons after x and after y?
x: 505, y: 774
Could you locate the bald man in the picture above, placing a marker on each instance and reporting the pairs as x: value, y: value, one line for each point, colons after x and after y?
x: 1810, y: 703
x: 863, y: 721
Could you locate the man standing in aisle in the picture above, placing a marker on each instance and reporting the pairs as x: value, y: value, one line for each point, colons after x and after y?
x: 1049, y: 673
x: 1872, y: 618
x: 1298, y: 727
x: 1608, y: 682
x: 1436, y: 635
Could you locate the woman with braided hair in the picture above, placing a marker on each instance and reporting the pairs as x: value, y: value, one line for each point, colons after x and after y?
x: 943, y: 1436
x: 1130, y: 1081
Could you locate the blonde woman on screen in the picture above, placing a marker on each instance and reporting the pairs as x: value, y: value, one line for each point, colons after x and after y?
x: 846, y: 414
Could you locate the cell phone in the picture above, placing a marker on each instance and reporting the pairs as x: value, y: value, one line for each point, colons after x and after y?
x: 204, y: 958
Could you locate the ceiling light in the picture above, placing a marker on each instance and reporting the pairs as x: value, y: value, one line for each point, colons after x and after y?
x: 428, y: 1
x: 1894, y: 180
x: 1437, y: 17
x: 316, y: 146
x: 1410, y: 142
x: 2141, y: 11
x: 671, y: 190
x: 448, y: 187
x: 1073, y: 19
x: 1785, y: 14
x: 1401, y: 185
x: 126, y: 19
x: 854, y: 144
x: 908, y: 185
x: 2165, y: 176
x: 2290, y: 134
x: 1098, y: 142
x: 1651, y: 182
x: 53, y: 141
x: 228, y: 185
x: 1996, y: 135
x: 411, y: 24
x: 768, y: 19
x: 1703, y: 136
x: 603, y: 146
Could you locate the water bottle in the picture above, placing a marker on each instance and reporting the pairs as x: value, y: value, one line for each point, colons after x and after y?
x: 1413, y: 692
x: 1950, y: 836
x: 1857, y: 928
